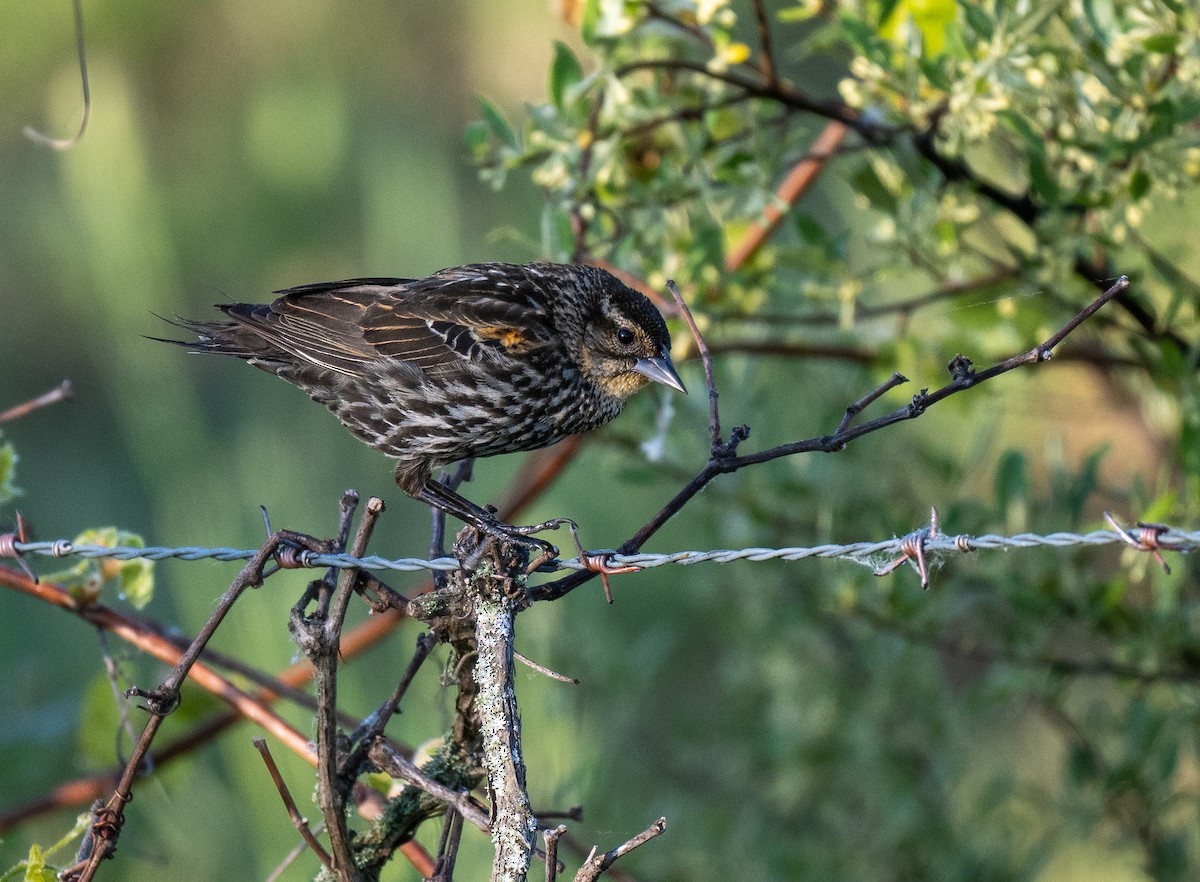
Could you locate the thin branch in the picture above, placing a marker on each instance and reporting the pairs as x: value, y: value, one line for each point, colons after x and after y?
x: 448, y: 847
x: 897, y: 379
x: 714, y: 416
x: 372, y: 727
x: 298, y: 820
x: 543, y: 670
x: 597, y: 864
x: 80, y: 49
x: 321, y: 644
x: 654, y: 11
x: 766, y: 51
x: 779, y: 92
x: 394, y: 764
x: 61, y: 392
x: 551, y: 838
x: 798, y: 181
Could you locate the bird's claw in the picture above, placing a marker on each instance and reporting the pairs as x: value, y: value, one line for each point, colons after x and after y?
x: 538, y: 552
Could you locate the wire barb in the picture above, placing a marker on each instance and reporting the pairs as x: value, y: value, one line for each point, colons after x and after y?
x: 912, y: 549
x: 8, y: 547
x: 1148, y: 538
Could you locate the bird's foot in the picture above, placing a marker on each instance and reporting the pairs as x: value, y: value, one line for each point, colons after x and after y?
x: 539, y: 552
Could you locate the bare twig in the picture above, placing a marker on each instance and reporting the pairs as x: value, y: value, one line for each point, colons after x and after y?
x: 897, y: 379
x: 543, y: 670
x: 298, y: 820
x: 448, y: 846
x: 61, y: 392
x: 80, y: 48
x: 321, y: 643
x: 598, y: 863
x: 714, y: 416
x: 394, y: 764
x: 372, y: 727
x: 551, y: 838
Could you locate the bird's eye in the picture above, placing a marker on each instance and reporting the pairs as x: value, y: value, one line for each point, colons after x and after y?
x: 625, y: 336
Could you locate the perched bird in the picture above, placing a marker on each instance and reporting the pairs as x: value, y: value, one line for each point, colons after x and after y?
x: 470, y: 361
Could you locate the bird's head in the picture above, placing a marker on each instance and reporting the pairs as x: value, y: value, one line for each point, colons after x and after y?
x: 626, y: 344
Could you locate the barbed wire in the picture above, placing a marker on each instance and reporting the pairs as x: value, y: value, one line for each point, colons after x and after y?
x: 1148, y: 537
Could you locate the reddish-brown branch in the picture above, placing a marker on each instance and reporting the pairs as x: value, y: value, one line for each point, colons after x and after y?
x: 802, y: 176
x: 298, y: 820
x: 145, y: 637
x: 61, y: 392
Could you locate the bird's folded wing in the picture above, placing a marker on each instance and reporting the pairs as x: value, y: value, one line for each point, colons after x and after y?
x: 438, y: 326
x: 434, y: 324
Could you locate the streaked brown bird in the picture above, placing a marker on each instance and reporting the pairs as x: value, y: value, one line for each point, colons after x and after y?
x: 468, y: 362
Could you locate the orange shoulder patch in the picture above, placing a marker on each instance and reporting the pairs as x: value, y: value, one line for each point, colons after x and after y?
x: 512, y: 339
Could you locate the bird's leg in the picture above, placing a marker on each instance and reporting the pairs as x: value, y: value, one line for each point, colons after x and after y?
x: 442, y: 497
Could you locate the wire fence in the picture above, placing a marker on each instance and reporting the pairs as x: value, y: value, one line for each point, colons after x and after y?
x: 1152, y: 538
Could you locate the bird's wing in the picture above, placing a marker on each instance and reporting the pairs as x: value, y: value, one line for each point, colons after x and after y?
x: 433, y: 324
x: 320, y: 324
x: 469, y: 313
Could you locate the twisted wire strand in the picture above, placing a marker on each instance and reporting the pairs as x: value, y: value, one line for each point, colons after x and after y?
x: 860, y: 552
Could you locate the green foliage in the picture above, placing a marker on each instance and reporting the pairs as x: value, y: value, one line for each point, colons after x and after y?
x: 36, y: 868
x: 132, y: 579
x: 1076, y: 119
x: 8, y: 468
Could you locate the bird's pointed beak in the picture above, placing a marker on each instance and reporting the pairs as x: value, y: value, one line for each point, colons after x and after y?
x: 660, y: 370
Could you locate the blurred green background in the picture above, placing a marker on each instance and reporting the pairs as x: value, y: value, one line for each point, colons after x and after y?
x: 782, y: 726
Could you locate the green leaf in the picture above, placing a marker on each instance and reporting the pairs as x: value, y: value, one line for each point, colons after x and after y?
x: 1041, y: 177
x: 1164, y: 44
x: 979, y: 20
x: 476, y: 136
x: 87, y: 579
x: 496, y: 123
x: 868, y: 183
x: 935, y: 71
x: 35, y: 866
x: 810, y: 230
x: 565, y: 72
x: 930, y: 17
x: 137, y: 582
x: 1102, y: 19
x: 8, y: 462
x: 589, y: 21
x: 1012, y: 488
x: 1139, y: 184
x: 1081, y: 765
